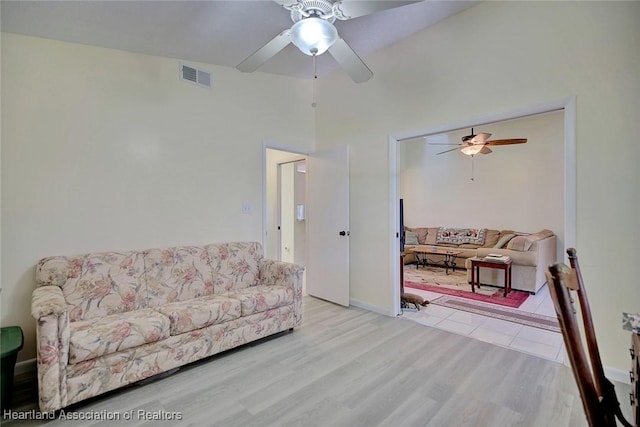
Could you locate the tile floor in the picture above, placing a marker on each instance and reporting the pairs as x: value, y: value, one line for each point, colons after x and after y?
x: 534, y: 341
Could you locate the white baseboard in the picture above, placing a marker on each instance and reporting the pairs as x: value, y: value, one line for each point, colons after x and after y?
x: 369, y: 307
x: 619, y: 375
x: 614, y: 374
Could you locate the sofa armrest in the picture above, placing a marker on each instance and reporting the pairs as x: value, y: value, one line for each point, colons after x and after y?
x: 47, y: 300
x: 273, y: 272
x: 52, y: 346
x: 546, y: 251
x: 541, y: 253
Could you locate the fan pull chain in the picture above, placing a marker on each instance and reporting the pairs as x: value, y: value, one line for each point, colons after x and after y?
x: 313, y: 83
x: 472, y: 157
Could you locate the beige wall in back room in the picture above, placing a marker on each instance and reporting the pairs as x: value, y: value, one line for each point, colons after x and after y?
x: 109, y: 150
x: 491, y: 59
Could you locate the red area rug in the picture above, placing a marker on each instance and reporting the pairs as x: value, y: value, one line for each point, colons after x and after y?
x: 514, y: 299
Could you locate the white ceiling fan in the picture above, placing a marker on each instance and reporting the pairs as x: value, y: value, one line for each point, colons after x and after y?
x: 313, y: 33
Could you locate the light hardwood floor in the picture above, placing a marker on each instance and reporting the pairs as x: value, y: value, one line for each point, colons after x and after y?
x: 352, y: 367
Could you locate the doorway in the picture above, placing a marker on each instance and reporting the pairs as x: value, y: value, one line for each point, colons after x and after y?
x: 284, y: 236
x: 568, y: 106
x: 324, y: 213
x: 555, y: 188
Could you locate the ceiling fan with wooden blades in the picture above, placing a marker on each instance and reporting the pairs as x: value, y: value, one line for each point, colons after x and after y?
x: 313, y: 33
x: 474, y: 144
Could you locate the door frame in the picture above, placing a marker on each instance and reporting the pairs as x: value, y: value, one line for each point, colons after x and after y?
x: 570, y: 171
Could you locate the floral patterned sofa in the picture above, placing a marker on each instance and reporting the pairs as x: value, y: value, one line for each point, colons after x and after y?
x: 105, y: 320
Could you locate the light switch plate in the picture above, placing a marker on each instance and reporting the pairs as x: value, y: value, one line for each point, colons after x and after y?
x: 246, y: 208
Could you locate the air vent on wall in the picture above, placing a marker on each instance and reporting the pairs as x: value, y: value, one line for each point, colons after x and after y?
x: 194, y: 75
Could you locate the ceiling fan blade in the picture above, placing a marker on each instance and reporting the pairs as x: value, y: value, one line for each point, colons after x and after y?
x: 485, y: 150
x: 480, y: 138
x: 506, y: 141
x: 444, y: 143
x: 354, y: 8
x: 350, y: 61
x: 447, y: 151
x: 286, y: 2
x: 263, y: 54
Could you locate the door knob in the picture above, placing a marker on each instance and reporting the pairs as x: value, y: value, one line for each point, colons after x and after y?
x: 344, y: 233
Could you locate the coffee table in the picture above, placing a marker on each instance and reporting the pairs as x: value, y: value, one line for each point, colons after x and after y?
x: 422, y: 253
x: 476, y: 263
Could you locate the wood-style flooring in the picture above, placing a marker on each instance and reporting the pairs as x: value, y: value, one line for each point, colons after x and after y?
x: 351, y: 367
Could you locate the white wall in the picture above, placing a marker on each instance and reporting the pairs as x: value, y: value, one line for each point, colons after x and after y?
x: 491, y: 59
x: 287, y: 214
x: 108, y: 150
x: 516, y: 187
x: 300, y: 227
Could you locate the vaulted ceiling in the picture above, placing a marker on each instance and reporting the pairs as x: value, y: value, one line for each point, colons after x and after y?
x: 215, y: 32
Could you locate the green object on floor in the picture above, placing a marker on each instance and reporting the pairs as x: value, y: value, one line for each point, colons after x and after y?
x: 10, y: 344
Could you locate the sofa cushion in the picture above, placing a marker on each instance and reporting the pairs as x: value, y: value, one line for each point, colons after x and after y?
x: 543, y: 234
x: 465, y: 253
x: 201, y: 312
x: 447, y: 245
x: 503, y: 232
x: 469, y: 246
x: 235, y: 265
x: 432, y: 234
x: 504, y: 240
x: 519, y: 243
x: 55, y: 270
x: 410, y: 238
x: 98, y: 284
x: 460, y: 235
x: 524, y: 242
x: 447, y: 235
x: 491, y: 238
x: 177, y: 274
x: 421, y: 232
x: 262, y: 298
x: 89, y: 339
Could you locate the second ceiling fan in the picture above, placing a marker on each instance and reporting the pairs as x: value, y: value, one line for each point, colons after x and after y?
x: 313, y: 33
x: 474, y: 144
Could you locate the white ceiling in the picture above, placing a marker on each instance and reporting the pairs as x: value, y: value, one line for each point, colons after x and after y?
x: 216, y: 32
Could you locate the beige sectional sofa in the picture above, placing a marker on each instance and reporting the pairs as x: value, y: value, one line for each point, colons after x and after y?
x: 531, y: 253
x: 105, y: 320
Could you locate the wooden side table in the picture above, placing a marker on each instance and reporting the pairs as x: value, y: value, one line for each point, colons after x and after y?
x: 476, y: 263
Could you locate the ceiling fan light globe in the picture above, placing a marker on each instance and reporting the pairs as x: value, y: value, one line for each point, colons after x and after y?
x: 471, y: 150
x: 313, y: 36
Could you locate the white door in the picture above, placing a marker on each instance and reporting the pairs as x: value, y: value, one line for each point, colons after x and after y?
x: 328, y: 225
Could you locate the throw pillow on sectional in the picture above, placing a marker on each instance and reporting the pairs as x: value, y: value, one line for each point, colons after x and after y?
x: 504, y: 240
x: 410, y: 238
x: 421, y: 232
